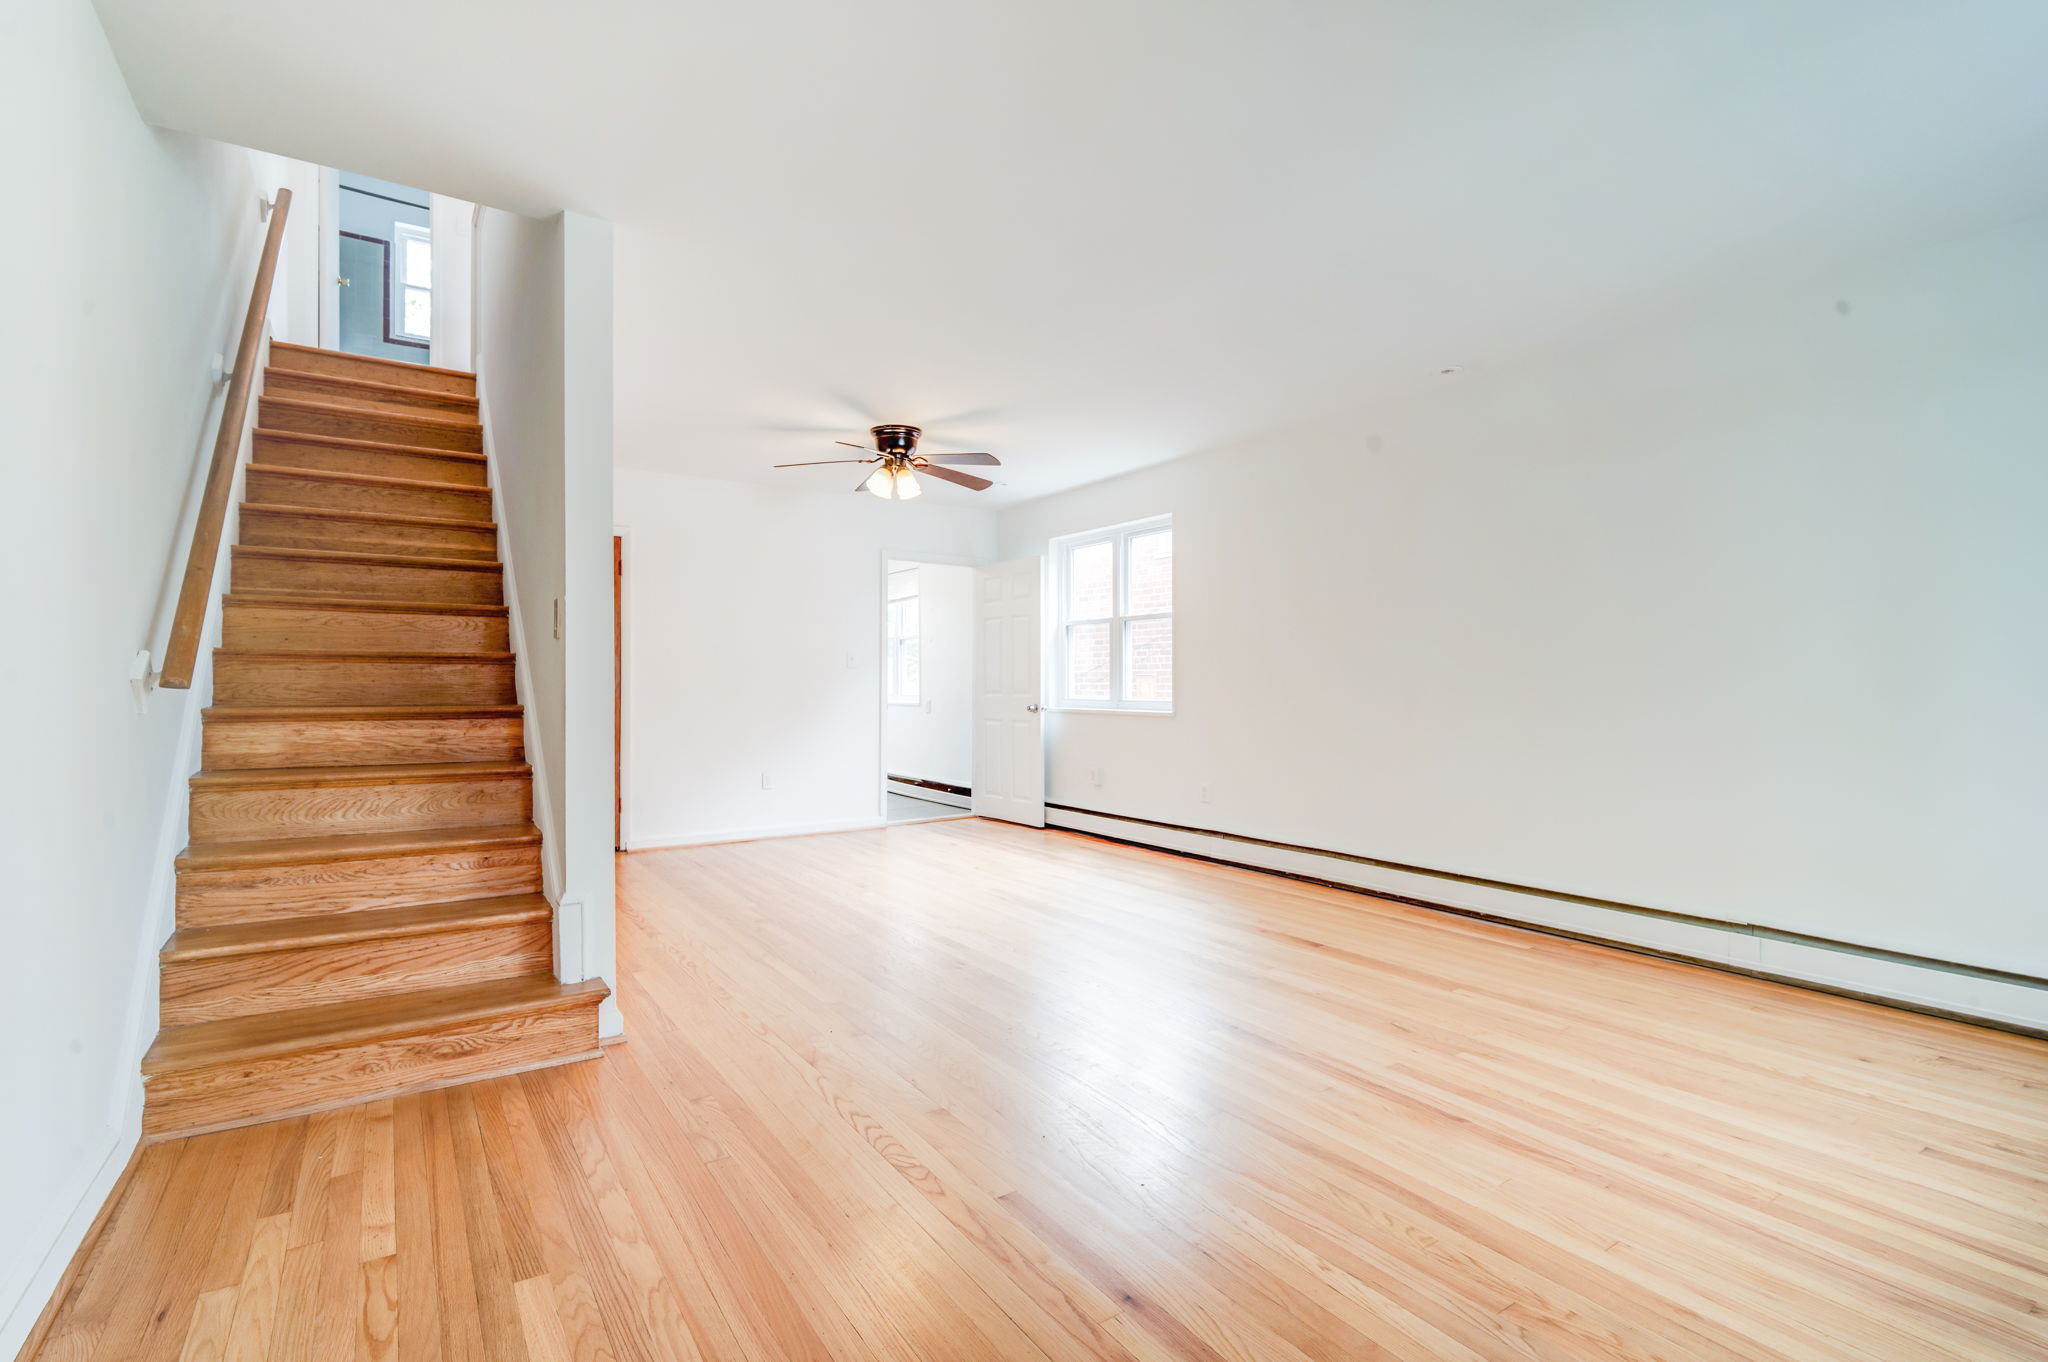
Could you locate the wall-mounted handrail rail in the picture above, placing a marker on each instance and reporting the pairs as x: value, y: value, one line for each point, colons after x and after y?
x: 188, y: 622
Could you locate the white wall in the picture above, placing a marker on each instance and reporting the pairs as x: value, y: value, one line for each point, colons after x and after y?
x: 934, y: 739
x: 132, y: 273
x: 454, y: 227
x: 753, y: 645
x: 586, y: 930
x: 1743, y: 617
x: 295, y: 289
x: 543, y: 354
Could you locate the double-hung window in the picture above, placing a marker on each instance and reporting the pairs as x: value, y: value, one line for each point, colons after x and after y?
x: 904, y: 678
x: 412, y: 281
x: 1114, y: 642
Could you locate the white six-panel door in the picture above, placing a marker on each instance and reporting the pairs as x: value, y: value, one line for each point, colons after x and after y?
x: 1009, y: 740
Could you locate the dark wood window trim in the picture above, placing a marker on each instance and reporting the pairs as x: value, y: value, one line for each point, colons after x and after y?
x: 385, y: 310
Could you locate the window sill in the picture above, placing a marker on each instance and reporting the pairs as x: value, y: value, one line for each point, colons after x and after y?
x: 1107, y: 709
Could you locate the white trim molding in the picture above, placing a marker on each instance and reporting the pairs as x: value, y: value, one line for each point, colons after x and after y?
x: 1963, y: 992
x: 714, y: 836
x: 39, y: 1291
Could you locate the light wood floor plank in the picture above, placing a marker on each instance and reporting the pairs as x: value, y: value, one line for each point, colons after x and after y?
x: 961, y: 1091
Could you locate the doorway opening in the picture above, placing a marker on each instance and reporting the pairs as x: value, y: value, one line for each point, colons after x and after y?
x: 384, y: 278
x: 928, y: 690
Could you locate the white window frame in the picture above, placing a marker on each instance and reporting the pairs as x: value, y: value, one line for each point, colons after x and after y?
x: 401, y: 232
x: 896, y: 640
x: 1119, y: 620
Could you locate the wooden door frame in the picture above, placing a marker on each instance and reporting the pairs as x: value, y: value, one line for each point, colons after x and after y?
x: 620, y: 598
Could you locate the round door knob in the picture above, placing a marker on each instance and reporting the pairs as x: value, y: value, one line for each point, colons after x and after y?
x: 1032, y: 708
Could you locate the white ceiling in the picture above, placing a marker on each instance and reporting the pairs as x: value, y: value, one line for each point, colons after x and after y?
x: 1090, y: 235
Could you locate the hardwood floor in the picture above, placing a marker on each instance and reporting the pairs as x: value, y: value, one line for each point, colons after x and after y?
x: 961, y: 1091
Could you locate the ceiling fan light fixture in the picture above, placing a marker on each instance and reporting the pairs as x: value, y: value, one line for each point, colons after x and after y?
x: 893, y: 482
x: 897, y: 464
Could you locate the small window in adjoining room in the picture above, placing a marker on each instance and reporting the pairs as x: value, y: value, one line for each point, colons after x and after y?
x: 903, y: 637
x: 1113, y: 643
x: 412, y: 281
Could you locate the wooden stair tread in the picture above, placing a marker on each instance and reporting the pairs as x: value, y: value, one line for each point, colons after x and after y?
x: 371, y: 559
x: 289, y: 402
x: 354, y: 846
x: 394, y: 655
x: 370, y: 387
x: 371, y: 517
x: 231, y: 714
x: 301, y: 437
x: 397, y: 365
x: 261, y: 777
x: 333, y: 929
x: 367, y: 479
x: 299, y: 600
x: 271, y: 1034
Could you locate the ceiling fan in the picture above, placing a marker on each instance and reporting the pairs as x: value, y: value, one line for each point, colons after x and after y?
x: 896, y: 452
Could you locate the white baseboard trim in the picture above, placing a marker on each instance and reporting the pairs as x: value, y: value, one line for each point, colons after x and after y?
x: 1960, y: 991
x: 29, y: 1297
x: 926, y: 793
x: 715, y: 836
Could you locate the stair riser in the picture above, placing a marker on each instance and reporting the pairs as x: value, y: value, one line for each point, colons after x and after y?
x: 339, y: 365
x: 213, y: 898
x: 280, y: 488
x: 283, y: 530
x: 276, y: 981
x: 366, y: 581
x: 359, y: 742
x: 315, y: 388
x: 260, y: 682
x: 384, y: 427
x: 255, y: 627
x: 244, y: 1091
x: 419, y: 465
x: 255, y: 815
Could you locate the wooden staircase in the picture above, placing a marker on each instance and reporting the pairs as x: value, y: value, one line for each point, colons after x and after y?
x: 359, y: 911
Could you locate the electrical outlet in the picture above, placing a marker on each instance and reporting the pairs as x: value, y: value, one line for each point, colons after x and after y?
x: 1095, y: 775
x: 1205, y: 794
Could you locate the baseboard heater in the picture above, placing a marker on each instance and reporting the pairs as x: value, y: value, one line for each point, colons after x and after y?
x: 938, y: 791
x: 1941, y: 988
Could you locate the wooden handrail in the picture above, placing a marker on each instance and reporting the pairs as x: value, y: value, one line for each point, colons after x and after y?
x: 181, y: 654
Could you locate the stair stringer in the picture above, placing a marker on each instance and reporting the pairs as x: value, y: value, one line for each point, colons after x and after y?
x: 568, y: 935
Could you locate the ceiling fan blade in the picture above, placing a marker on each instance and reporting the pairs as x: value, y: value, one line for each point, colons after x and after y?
x: 962, y: 458
x: 816, y: 462
x: 967, y: 480
x: 851, y: 445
